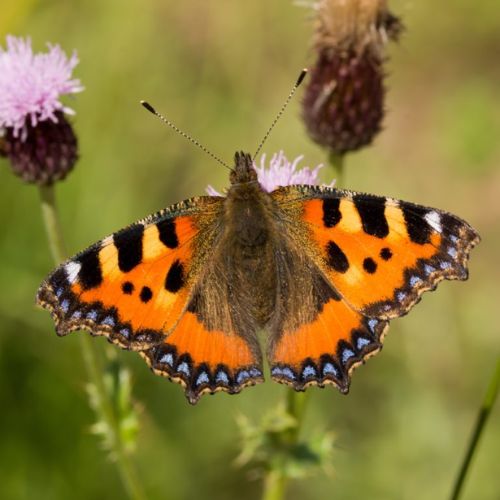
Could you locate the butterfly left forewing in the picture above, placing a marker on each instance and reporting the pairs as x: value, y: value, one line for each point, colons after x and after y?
x: 134, y: 285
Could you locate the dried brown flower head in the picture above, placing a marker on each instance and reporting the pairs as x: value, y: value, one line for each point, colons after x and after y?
x: 343, y: 104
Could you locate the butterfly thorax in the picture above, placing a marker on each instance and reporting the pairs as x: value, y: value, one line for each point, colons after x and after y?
x: 248, y: 248
x: 247, y: 210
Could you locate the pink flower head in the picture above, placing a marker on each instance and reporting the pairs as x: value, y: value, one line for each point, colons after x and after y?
x: 282, y: 172
x: 31, y: 84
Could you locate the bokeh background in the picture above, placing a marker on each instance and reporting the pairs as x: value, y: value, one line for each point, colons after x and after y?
x: 220, y: 70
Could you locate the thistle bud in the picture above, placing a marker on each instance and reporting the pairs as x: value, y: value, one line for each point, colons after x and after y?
x: 35, y: 134
x: 343, y: 104
x: 45, y: 153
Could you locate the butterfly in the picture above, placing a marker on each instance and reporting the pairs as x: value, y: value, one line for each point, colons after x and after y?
x: 322, y: 270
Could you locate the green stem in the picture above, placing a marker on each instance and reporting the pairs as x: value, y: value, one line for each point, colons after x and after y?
x: 337, y: 161
x: 274, y: 485
x: 482, y: 418
x: 295, y: 406
x: 275, y: 481
x: 52, y: 224
x: 90, y: 353
x: 96, y: 374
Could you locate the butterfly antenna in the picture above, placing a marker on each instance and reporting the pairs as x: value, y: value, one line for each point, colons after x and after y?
x: 301, y: 77
x: 186, y: 136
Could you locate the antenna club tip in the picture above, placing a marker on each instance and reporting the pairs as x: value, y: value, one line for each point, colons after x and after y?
x: 301, y: 77
x: 148, y: 107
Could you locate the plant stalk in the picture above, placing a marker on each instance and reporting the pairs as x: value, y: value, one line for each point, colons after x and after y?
x: 274, y: 485
x: 482, y: 418
x: 275, y: 481
x: 90, y: 353
x: 337, y: 161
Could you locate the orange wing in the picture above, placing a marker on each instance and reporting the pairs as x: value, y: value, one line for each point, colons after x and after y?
x: 381, y: 254
x: 377, y: 256
x: 134, y: 285
x: 327, y: 349
x: 137, y: 287
x: 205, y: 361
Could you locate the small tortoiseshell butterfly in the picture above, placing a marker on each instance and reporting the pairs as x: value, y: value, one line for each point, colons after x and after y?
x: 322, y: 270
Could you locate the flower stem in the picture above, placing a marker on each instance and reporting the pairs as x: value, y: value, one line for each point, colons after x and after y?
x: 107, y: 414
x: 90, y: 354
x: 295, y: 406
x: 337, y: 162
x: 276, y: 480
x: 274, y: 485
x: 52, y: 224
x: 482, y: 418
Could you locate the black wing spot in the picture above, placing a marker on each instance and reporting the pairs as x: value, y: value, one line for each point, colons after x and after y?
x: 385, y: 253
x: 90, y: 274
x: 128, y: 288
x: 337, y: 259
x: 168, y: 234
x: 331, y: 212
x: 371, y: 210
x: 175, y: 277
x: 417, y: 227
x: 369, y: 265
x: 146, y: 294
x: 129, y: 245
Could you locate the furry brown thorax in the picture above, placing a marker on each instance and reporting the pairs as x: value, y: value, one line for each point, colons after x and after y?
x: 248, y: 238
x: 247, y: 220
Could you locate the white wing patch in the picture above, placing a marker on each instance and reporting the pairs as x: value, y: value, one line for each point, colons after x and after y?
x: 72, y: 269
x: 434, y: 220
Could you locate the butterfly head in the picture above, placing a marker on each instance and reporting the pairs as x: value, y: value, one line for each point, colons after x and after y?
x: 243, y: 170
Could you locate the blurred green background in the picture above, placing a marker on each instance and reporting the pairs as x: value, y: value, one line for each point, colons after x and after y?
x: 220, y: 70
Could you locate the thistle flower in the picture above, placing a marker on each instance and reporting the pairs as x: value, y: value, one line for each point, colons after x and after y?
x: 281, y: 172
x: 343, y: 104
x: 34, y: 132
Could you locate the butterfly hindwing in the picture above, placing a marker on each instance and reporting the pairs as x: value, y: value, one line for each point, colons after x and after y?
x: 316, y: 337
x: 326, y: 349
x: 134, y: 285
x: 205, y: 361
x: 365, y: 260
x: 214, y: 346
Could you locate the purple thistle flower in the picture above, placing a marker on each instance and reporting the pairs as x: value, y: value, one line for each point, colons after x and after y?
x: 34, y: 132
x: 281, y: 172
x: 31, y: 84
